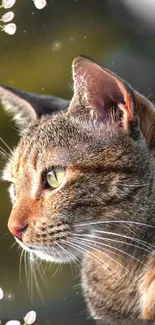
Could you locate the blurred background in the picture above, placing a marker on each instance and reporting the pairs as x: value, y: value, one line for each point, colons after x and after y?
x: 119, y: 34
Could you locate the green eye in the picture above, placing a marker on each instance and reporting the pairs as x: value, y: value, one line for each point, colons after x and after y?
x: 55, y: 177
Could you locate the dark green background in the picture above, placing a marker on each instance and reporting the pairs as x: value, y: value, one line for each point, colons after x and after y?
x: 38, y: 59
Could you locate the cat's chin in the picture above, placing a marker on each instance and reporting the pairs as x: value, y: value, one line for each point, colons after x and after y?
x: 51, y: 258
x: 56, y: 256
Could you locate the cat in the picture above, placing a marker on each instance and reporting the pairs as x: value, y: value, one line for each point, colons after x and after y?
x: 83, y: 185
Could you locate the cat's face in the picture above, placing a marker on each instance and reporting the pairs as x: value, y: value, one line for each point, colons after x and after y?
x: 82, y: 169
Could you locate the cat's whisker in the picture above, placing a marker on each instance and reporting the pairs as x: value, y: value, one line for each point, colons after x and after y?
x: 70, y: 257
x: 41, y: 273
x: 91, y: 255
x: 20, y: 265
x: 133, y: 185
x: 34, y: 273
x: 13, y: 128
x: 61, y: 265
x: 103, y: 253
x: 4, y: 155
x: 77, y: 264
x: 30, y: 277
x: 50, y: 266
x: 6, y: 237
x: 36, y: 266
x: 6, y: 234
x: 136, y: 240
x: 24, y: 255
x: 6, y: 145
x: 142, y: 242
x: 86, y: 223
x: 45, y: 269
x: 35, y: 262
x: 12, y: 245
x: 81, y: 250
x: 5, y: 152
x: 113, y: 249
x: 26, y: 270
x: 74, y: 260
x: 28, y: 274
x: 65, y: 252
x: 113, y: 240
x: 56, y: 271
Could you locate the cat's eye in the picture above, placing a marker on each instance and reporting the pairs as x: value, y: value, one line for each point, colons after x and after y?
x: 55, y: 177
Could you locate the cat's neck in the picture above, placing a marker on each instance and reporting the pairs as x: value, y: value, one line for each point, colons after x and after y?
x: 114, y: 274
x: 110, y: 279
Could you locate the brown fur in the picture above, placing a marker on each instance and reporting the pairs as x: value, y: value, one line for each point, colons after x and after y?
x: 105, y: 141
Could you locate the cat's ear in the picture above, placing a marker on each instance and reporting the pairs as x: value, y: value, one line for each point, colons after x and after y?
x: 145, y: 111
x: 26, y: 107
x: 99, y: 92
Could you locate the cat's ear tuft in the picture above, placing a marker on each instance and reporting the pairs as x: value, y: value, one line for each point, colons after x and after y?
x: 99, y: 92
x: 26, y: 107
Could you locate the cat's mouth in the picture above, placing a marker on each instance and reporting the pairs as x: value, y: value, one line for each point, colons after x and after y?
x: 25, y: 247
x: 58, y: 253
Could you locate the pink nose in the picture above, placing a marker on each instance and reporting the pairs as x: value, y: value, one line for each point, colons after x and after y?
x: 17, y: 230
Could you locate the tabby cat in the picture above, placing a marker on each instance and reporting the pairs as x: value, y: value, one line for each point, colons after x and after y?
x: 83, y: 185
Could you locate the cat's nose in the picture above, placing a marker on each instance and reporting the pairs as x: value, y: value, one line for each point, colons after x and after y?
x: 18, y: 221
x: 17, y: 230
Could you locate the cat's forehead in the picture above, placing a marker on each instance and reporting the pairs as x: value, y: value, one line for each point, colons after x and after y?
x: 68, y: 138
x: 61, y: 140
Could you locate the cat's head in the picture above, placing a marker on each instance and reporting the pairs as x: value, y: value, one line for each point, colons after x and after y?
x: 87, y: 169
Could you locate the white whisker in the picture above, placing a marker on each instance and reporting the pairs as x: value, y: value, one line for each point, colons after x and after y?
x: 103, y: 253
x: 31, y: 277
x: 92, y: 256
x: 15, y: 243
x: 144, y: 243
x: 56, y: 271
x: 26, y: 270
x: 112, y: 221
x: 113, y: 240
x: 6, y: 145
x: 132, y: 185
x: 37, y: 286
x: 112, y: 249
x: 70, y: 257
x: 20, y: 265
x: 41, y: 274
